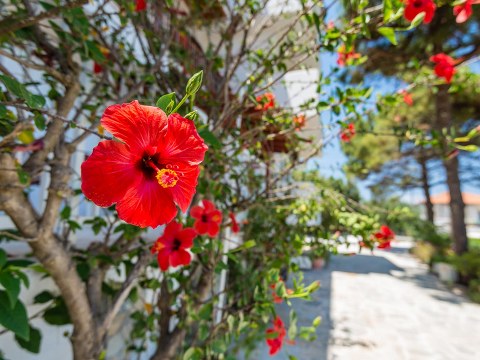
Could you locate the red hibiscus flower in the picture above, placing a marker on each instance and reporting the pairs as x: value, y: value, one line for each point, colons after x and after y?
x: 415, y: 7
x: 276, y: 335
x: 464, y: 10
x: 278, y: 299
x: 140, y: 5
x: 265, y: 101
x: 299, y: 121
x: 384, y: 237
x: 234, y: 223
x: 445, y: 66
x: 172, y: 246
x: 345, y: 56
x: 347, y: 133
x: 208, y: 218
x: 407, y: 97
x: 151, y: 169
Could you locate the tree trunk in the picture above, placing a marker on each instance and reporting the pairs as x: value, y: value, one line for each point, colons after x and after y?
x: 426, y: 187
x: 457, y: 206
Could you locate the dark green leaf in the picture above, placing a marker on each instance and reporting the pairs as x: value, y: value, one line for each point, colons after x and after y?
x: 57, y: 315
x: 210, y: 139
x: 11, y: 285
x: 39, y: 121
x: 33, y: 344
x: 3, y: 258
x: 14, y: 319
x: 44, y: 297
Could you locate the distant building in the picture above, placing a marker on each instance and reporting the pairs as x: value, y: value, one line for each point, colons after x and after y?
x: 441, y: 211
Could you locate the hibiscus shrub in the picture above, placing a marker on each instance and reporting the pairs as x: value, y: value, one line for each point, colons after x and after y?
x: 145, y: 187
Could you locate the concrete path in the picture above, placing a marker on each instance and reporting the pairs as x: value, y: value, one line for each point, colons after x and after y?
x: 383, y: 307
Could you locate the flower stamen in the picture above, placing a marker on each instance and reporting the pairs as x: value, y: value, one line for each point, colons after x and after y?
x: 167, y: 178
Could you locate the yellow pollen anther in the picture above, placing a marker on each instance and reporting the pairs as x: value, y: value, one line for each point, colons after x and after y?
x: 167, y: 178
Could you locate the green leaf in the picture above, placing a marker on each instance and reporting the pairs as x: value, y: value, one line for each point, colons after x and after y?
x: 219, y: 346
x: 166, y: 102
x: 12, y: 85
x: 316, y: 322
x: 470, y: 148
x: 387, y: 10
x: 14, y: 319
x: 33, y: 344
x: 210, y: 139
x: 205, y: 312
x: 39, y: 121
x: 246, y: 245
x: 11, y: 285
x: 193, y: 354
x: 417, y: 21
x: 3, y: 258
x: 66, y: 212
x: 23, y: 176
x: 389, y: 33
x: 57, y: 315
x: 26, y: 137
x: 194, y: 84
x: 44, y: 297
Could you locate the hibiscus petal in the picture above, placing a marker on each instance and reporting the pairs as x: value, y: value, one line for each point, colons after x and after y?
x: 163, y: 259
x: 185, y: 188
x: 108, y: 173
x: 180, y: 257
x: 196, y: 212
x: 208, y: 205
x: 213, y: 229
x: 182, y: 142
x: 138, y: 126
x: 186, y: 236
x: 201, y: 227
x: 147, y: 204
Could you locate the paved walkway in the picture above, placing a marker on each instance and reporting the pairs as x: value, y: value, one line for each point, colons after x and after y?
x: 383, y: 307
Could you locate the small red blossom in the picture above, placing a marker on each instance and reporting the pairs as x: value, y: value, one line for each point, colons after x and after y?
x: 407, y: 97
x: 344, y: 56
x: 384, y: 237
x: 275, y: 336
x: 445, y: 66
x: 415, y: 7
x: 330, y: 25
x: 140, y: 5
x: 265, y: 101
x: 172, y: 246
x: 299, y: 121
x: 151, y: 169
x: 348, y: 133
x: 208, y: 218
x: 233, y: 223
x: 464, y: 10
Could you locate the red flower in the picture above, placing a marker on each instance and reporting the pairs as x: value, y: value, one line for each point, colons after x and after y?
x: 347, y: 133
x: 445, y: 66
x: 140, y: 5
x: 275, y: 336
x: 299, y: 121
x: 407, y: 98
x: 344, y: 57
x: 172, y: 246
x: 464, y: 10
x: 384, y: 237
x: 234, y: 223
x: 265, y: 101
x: 208, y: 218
x: 151, y: 169
x: 415, y: 7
